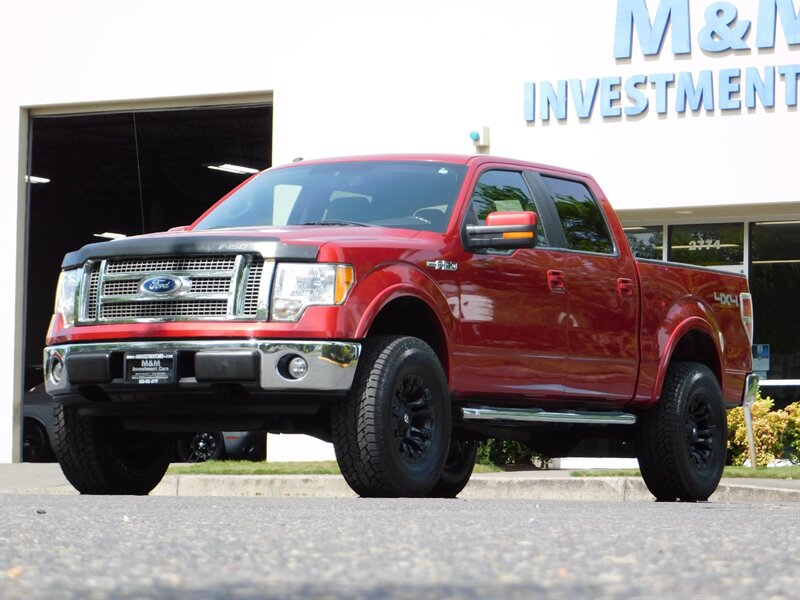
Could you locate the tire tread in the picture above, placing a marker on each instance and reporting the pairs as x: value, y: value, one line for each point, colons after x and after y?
x: 357, y: 432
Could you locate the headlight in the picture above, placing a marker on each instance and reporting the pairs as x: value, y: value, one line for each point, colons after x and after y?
x: 299, y: 285
x: 65, y: 296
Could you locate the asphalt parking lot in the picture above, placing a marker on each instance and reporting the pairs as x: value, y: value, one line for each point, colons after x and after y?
x: 55, y: 547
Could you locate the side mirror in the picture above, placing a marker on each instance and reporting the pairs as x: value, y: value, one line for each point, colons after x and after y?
x: 504, y: 231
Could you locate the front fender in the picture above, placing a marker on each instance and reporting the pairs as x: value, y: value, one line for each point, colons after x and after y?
x: 393, y: 281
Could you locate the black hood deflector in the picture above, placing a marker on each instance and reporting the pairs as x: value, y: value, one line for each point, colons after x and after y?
x: 191, y: 244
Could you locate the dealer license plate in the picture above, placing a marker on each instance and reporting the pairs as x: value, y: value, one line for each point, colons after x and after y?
x: 149, y: 368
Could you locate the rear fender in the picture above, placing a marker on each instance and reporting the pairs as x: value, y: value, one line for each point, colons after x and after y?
x: 698, y: 340
x: 687, y: 331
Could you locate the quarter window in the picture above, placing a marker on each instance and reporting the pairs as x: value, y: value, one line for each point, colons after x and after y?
x: 583, y: 222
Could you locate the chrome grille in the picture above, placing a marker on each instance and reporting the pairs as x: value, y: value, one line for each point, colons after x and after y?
x: 159, y: 310
x: 91, y: 297
x: 171, y: 264
x: 120, y: 288
x: 214, y: 287
x: 211, y: 285
x: 250, y: 307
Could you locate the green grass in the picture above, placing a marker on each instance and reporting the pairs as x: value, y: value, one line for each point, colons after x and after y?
x: 792, y: 472
x: 245, y: 467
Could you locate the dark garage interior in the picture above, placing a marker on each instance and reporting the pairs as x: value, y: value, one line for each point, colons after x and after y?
x: 125, y: 173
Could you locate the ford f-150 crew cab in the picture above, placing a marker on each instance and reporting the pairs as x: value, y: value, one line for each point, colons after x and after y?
x: 403, y: 308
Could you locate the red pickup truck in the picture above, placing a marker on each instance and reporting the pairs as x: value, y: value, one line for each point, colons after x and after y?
x: 403, y: 308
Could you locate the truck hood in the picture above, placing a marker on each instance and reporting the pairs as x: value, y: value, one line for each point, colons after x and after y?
x: 286, y: 243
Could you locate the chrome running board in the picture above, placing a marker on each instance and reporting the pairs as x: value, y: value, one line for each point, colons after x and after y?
x: 538, y: 415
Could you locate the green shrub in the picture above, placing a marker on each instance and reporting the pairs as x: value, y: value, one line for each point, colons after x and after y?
x: 776, y: 432
x: 791, y: 435
x: 503, y: 453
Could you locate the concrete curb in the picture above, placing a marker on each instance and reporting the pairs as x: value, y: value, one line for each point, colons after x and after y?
x: 482, y: 486
x: 611, y: 489
x: 268, y: 486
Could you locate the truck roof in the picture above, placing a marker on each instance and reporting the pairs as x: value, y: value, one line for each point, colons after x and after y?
x: 462, y: 159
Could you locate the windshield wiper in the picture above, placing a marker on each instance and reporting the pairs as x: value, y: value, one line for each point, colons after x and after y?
x: 339, y: 222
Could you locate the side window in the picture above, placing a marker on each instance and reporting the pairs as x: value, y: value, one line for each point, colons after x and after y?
x: 583, y: 222
x: 501, y: 191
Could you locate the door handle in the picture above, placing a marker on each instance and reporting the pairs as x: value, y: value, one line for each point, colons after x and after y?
x: 625, y: 287
x: 557, y: 280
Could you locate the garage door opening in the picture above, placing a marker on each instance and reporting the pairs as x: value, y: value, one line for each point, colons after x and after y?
x: 96, y: 176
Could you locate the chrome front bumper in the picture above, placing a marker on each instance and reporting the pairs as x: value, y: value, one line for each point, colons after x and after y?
x: 331, y: 365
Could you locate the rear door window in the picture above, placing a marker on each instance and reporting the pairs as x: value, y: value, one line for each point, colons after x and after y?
x: 584, y: 224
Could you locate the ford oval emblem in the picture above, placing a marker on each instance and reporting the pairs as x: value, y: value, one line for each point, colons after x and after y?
x: 161, y: 285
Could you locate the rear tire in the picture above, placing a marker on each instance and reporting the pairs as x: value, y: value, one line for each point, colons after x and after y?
x: 682, y: 441
x: 392, y: 432
x: 99, y: 456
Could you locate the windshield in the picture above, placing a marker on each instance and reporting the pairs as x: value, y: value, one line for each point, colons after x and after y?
x: 402, y: 194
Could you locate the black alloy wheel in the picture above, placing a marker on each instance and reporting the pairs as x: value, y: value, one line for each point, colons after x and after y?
x: 201, y: 446
x: 412, y: 418
x: 699, y: 428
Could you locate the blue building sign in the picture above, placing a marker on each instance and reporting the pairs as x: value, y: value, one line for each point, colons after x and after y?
x: 723, y: 32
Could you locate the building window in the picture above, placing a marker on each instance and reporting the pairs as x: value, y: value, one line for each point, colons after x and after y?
x: 646, y: 242
x: 712, y: 245
x: 775, y: 285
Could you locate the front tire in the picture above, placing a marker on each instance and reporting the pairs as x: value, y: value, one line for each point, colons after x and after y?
x: 682, y: 441
x: 99, y: 456
x: 391, y: 434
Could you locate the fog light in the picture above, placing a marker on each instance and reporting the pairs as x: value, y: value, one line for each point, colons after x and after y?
x: 56, y: 369
x: 298, y: 367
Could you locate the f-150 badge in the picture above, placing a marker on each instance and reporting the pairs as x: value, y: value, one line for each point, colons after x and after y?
x: 442, y: 265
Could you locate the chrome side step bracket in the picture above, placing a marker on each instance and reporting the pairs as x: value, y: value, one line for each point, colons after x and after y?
x: 538, y: 415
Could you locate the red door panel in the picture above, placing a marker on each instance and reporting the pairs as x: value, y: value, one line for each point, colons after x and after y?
x: 602, y: 300
x: 513, y: 338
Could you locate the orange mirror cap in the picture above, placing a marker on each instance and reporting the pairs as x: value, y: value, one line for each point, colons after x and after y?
x: 512, y: 217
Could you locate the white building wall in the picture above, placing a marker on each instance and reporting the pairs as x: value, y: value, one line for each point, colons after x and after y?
x: 360, y: 77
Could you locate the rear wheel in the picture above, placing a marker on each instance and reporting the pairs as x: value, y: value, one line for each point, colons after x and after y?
x: 99, y: 456
x: 201, y: 446
x: 391, y: 434
x: 681, y: 442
